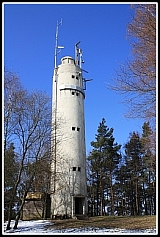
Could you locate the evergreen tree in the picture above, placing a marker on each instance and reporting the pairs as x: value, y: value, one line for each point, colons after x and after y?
x: 149, y: 170
x: 134, y: 152
x: 121, y: 188
x: 10, y: 175
x: 135, y: 184
x: 104, y: 160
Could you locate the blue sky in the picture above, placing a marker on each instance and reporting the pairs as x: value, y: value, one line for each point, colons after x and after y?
x: 29, y: 42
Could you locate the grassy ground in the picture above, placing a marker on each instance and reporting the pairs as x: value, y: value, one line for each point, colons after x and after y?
x: 122, y: 222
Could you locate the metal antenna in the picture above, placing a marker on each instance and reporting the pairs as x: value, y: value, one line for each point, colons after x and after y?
x: 84, y: 82
x: 81, y: 61
x: 56, y: 46
x: 77, y: 53
x: 55, y: 112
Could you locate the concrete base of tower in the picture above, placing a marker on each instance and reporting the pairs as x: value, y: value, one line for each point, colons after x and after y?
x: 71, y: 207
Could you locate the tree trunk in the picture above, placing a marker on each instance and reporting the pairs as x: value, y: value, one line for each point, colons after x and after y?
x: 9, y: 216
x: 19, y: 214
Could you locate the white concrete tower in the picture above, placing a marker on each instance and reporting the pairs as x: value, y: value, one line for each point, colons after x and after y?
x: 68, y: 183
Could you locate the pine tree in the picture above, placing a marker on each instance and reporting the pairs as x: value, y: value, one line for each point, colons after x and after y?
x: 134, y: 152
x: 10, y: 174
x: 104, y: 160
x: 149, y: 170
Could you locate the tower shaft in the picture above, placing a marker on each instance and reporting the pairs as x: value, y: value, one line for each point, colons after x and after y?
x: 68, y: 182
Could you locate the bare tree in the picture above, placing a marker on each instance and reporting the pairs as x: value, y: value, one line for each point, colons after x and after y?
x: 27, y: 122
x: 12, y: 86
x: 137, y: 77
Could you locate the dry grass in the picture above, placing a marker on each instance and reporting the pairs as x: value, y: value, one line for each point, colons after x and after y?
x: 138, y: 222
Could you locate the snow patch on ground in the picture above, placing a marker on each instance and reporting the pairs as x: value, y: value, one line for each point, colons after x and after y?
x: 41, y: 227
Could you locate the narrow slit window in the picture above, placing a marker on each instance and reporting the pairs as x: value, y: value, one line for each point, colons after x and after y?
x: 79, y: 168
x: 74, y: 168
x: 73, y: 128
x: 78, y: 129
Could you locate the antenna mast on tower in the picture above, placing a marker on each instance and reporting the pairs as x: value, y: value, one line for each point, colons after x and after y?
x: 55, y: 91
x: 56, y: 46
x: 79, y: 61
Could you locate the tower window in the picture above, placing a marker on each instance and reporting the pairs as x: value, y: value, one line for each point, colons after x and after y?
x: 78, y: 129
x: 72, y: 92
x: 74, y: 168
x: 79, y: 168
x: 77, y: 94
x: 73, y: 128
x: 77, y: 78
x: 73, y: 76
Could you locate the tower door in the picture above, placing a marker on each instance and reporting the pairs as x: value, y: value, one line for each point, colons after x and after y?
x: 79, y: 205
